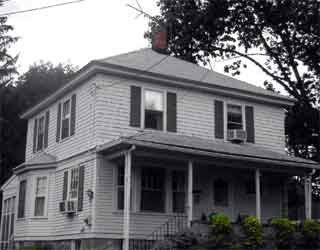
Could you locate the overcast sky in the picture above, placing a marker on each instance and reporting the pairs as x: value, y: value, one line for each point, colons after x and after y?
x: 84, y: 31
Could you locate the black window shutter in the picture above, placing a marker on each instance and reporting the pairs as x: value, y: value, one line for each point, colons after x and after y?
x: 46, y: 129
x: 65, y: 186
x: 35, y: 129
x: 58, y: 123
x: 250, y: 124
x: 22, y: 198
x: 81, y: 185
x: 73, y: 114
x: 135, y: 106
x: 218, y: 120
x: 171, y: 112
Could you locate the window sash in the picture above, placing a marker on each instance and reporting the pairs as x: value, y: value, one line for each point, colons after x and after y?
x: 66, y: 119
x: 74, y: 184
x: 152, y: 189
x: 154, y: 110
x: 234, y: 117
x: 40, y: 196
x: 22, y: 199
x: 40, y: 133
x: 153, y: 100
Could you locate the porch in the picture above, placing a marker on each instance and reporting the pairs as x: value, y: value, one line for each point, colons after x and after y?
x: 159, y: 176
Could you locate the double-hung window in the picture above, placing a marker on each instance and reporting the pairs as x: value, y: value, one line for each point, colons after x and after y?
x: 234, y: 117
x: 120, y: 188
x: 7, y: 222
x: 41, y: 196
x: 153, y: 109
x: 22, y: 199
x: 40, y: 134
x: 66, y: 119
x: 74, y: 184
x: 178, y: 191
x: 152, y: 189
x: 221, y: 193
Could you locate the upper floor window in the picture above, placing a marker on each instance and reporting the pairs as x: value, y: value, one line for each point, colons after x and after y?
x: 40, y: 196
x: 234, y: 117
x: 65, y: 126
x: 66, y: 120
x: 22, y: 199
x: 40, y: 136
x: 153, y: 110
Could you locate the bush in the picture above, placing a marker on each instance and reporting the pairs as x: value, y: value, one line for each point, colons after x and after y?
x: 252, y: 230
x: 283, y: 233
x: 220, y: 231
x: 310, y: 233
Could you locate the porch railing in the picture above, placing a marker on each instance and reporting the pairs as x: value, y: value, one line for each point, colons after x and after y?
x: 174, y: 225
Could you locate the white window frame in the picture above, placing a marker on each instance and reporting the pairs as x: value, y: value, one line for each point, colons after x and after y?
x: 68, y: 117
x: 69, y: 183
x: 10, y: 211
x: 225, y: 107
x: 45, y: 212
x: 38, y: 118
x: 164, y: 120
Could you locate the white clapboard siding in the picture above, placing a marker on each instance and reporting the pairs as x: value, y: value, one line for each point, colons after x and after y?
x: 195, y: 114
x: 83, y: 139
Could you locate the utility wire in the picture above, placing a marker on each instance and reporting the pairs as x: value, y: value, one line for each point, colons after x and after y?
x: 40, y: 8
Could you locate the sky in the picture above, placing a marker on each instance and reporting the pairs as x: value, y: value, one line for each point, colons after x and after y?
x: 81, y: 32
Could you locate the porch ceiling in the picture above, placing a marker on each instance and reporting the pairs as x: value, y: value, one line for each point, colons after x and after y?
x: 194, y: 147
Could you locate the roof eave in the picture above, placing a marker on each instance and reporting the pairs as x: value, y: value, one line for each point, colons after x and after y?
x: 95, y: 67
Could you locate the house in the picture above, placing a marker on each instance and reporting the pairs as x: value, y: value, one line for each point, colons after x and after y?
x: 142, y: 141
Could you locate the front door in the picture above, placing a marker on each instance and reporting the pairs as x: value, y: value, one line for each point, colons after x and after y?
x: 222, y: 196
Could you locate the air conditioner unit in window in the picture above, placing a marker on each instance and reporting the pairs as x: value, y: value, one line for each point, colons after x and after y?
x: 236, y: 135
x: 67, y: 207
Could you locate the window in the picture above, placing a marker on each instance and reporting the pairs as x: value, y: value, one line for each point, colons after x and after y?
x: 40, y: 196
x: 22, y: 199
x: 221, y: 193
x: 66, y: 115
x: 234, y: 116
x: 153, y: 110
x: 152, y: 189
x: 7, y: 227
x: 120, y: 188
x: 74, y: 184
x: 178, y: 191
x: 40, y: 134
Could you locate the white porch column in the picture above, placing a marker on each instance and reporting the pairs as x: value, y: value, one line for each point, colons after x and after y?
x: 308, y: 197
x: 190, y: 192
x: 258, y: 194
x: 127, y: 193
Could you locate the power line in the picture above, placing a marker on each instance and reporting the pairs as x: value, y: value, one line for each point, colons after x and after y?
x: 40, y: 8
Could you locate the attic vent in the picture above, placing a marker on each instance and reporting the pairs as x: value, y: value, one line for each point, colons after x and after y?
x: 236, y: 135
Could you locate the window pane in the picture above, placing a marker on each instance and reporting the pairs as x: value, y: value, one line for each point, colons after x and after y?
x: 22, y: 198
x: 153, y: 100
x: 65, y: 128
x: 221, y: 194
x: 153, y: 119
x: 74, y: 183
x: 66, y: 109
x: 39, y: 206
x: 40, y: 133
x: 152, y: 189
x: 234, y: 117
x: 120, y: 198
x: 41, y: 189
x: 178, y: 191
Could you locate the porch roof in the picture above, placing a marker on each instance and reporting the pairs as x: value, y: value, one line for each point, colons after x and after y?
x: 212, y: 148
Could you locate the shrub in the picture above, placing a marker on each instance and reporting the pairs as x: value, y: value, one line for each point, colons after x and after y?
x: 283, y: 233
x: 252, y: 230
x: 220, y: 231
x: 310, y: 232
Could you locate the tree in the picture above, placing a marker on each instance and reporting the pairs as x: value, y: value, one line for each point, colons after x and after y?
x: 39, y: 81
x: 280, y: 37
